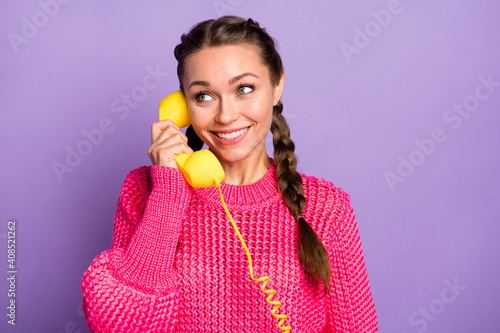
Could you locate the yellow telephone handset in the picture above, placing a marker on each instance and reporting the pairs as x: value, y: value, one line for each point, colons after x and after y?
x: 202, y: 168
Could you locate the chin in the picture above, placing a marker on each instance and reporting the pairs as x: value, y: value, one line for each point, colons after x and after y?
x: 231, y: 157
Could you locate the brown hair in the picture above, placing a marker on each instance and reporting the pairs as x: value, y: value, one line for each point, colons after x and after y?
x: 232, y: 30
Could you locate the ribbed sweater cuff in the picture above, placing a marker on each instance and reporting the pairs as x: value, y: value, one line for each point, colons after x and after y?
x: 147, y: 262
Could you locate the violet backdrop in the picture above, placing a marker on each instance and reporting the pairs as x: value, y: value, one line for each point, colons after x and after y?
x: 396, y: 102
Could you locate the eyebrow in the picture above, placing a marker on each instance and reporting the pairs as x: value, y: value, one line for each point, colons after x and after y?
x: 231, y: 81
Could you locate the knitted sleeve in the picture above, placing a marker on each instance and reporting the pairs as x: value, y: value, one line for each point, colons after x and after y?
x: 133, y: 286
x: 350, y: 304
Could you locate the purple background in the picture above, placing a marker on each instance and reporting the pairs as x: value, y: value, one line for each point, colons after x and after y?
x: 353, y: 118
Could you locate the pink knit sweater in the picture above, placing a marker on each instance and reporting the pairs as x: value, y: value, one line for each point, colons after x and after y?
x: 177, y: 265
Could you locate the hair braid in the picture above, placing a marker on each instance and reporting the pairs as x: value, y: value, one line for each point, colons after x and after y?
x: 312, y: 253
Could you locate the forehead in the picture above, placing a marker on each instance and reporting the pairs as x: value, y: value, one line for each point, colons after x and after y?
x: 220, y: 63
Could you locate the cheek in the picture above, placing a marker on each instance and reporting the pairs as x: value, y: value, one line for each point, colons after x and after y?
x: 199, y: 120
x: 262, y: 112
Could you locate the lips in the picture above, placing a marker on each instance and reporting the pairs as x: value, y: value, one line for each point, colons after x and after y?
x: 231, y: 136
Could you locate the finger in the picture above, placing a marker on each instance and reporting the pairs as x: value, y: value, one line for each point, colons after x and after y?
x: 158, y: 127
x: 172, y: 131
x: 176, y: 149
x: 170, y: 140
x: 166, y: 155
x: 169, y: 137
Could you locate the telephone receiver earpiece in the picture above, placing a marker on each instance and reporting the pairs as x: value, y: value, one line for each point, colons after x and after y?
x: 202, y: 168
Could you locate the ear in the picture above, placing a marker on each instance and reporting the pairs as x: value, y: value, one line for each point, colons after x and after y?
x: 278, y: 90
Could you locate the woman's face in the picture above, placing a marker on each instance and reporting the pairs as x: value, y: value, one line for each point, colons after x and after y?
x: 230, y: 99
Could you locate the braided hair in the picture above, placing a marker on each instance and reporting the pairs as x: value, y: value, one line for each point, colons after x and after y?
x: 233, y: 30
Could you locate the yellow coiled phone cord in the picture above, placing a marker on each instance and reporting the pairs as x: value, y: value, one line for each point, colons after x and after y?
x: 271, y: 292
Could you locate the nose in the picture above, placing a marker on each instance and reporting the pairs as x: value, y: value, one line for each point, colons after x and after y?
x: 227, y: 112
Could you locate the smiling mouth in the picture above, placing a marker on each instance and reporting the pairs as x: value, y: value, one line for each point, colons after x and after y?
x: 232, y: 135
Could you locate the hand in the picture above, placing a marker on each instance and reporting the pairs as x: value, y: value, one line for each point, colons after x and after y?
x: 167, y: 141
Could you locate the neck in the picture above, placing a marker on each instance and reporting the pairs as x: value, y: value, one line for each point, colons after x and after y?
x: 247, y: 171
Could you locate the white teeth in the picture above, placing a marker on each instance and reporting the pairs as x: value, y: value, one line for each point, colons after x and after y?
x: 233, y: 135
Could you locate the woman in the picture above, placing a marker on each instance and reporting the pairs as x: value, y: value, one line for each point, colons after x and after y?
x: 176, y: 264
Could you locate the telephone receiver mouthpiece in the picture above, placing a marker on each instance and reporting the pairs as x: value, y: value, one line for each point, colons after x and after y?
x: 201, y: 169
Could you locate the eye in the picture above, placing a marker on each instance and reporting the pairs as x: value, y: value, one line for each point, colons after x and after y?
x: 245, y: 89
x: 202, y: 97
